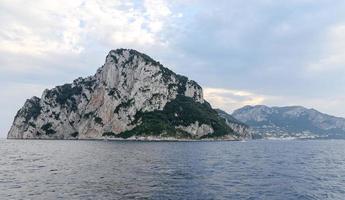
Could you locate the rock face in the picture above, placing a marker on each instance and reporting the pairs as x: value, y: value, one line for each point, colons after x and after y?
x: 130, y: 96
x: 236, y: 125
x: 292, y: 121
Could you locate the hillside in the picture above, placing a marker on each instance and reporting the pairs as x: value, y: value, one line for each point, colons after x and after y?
x: 291, y: 121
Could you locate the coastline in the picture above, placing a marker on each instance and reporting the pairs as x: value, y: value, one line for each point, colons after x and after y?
x: 138, y: 139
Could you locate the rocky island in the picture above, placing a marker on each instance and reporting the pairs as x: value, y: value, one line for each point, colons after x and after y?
x: 131, y: 96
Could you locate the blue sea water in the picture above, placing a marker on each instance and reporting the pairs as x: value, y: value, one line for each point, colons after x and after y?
x: 262, y: 169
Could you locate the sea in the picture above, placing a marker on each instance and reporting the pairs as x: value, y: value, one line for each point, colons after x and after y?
x: 97, y: 169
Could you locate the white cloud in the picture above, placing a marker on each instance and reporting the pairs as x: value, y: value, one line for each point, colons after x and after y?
x: 333, y: 56
x: 230, y: 100
x: 40, y: 27
x: 67, y: 26
x: 156, y: 10
x: 282, y: 30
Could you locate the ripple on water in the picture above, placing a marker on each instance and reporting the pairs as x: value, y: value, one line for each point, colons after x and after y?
x: 172, y: 170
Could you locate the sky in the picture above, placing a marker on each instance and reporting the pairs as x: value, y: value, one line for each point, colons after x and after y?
x: 272, y: 52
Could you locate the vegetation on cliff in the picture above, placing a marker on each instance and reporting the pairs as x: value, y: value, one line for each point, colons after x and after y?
x: 181, y: 111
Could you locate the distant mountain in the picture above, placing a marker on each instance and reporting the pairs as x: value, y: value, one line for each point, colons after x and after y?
x: 291, y: 121
x: 130, y: 96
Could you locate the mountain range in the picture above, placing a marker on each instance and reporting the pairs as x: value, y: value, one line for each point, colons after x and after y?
x: 290, y: 121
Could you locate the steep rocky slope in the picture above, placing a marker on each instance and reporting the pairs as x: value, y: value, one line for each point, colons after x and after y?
x: 130, y: 96
x: 236, y: 125
x: 292, y: 121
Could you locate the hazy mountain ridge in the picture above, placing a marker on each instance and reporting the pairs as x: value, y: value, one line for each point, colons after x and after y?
x: 130, y: 96
x: 290, y: 121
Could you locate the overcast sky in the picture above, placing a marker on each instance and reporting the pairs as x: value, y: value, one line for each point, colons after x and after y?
x: 273, y: 52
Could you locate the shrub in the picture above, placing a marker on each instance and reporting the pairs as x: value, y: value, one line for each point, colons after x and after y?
x: 181, y: 111
x: 33, y: 109
x: 99, y: 120
x: 108, y: 134
x: 64, y: 95
x: 48, y: 129
x: 75, y: 134
x: 125, y: 105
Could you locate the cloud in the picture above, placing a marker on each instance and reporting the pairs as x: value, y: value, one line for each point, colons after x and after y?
x: 230, y: 100
x: 156, y: 10
x: 333, y: 55
x: 68, y: 26
x: 39, y: 28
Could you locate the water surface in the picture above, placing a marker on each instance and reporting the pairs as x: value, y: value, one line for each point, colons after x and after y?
x: 43, y: 169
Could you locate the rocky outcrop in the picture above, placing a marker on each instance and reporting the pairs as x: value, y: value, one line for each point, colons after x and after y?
x: 291, y: 121
x: 131, y: 95
x: 196, y: 130
x: 239, y: 127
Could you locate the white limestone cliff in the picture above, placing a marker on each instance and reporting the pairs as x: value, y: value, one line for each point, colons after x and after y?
x: 197, y: 129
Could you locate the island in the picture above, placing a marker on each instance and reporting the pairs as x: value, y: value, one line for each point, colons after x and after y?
x: 131, y: 96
